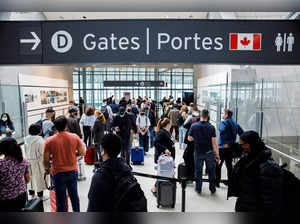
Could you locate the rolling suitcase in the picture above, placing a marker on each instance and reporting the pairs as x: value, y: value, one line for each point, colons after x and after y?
x: 34, y: 205
x: 91, y: 155
x: 183, y: 171
x: 166, y: 194
x: 137, y: 155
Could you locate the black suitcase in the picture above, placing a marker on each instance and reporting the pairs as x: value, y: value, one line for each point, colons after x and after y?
x: 34, y: 205
x: 183, y: 171
x: 166, y: 194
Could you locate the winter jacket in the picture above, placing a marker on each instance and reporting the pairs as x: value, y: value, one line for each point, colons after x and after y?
x: 125, y: 124
x: 34, y: 149
x: 228, y: 129
x: 98, y: 130
x: 188, y: 154
x: 103, y: 184
x: 3, y: 126
x: 257, y: 183
x: 162, y: 142
x: 73, y: 126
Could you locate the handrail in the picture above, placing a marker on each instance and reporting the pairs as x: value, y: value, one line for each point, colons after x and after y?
x: 284, y: 154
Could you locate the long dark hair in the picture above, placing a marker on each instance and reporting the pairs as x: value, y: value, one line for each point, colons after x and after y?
x: 8, y: 122
x: 10, y: 147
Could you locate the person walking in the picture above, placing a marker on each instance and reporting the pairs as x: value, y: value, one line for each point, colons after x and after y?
x: 63, y: 149
x: 87, y: 121
x: 14, y: 175
x: 256, y: 181
x: 143, y: 125
x: 34, y: 150
x: 73, y: 125
x: 98, y: 131
x: 228, y: 130
x: 7, y: 128
x: 206, y: 150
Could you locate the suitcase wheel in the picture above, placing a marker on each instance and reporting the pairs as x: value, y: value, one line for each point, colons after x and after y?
x: 173, y: 206
x: 157, y: 206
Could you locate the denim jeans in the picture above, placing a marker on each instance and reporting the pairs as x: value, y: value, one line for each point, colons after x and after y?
x: 66, y: 181
x: 125, y: 152
x: 210, y: 163
x: 144, y: 141
x: 182, y: 132
x: 152, y: 136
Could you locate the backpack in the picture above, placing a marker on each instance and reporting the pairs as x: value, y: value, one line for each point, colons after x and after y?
x: 291, y: 193
x: 179, y: 120
x: 40, y: 123
x: 127, y: 195
x: 104, y: 111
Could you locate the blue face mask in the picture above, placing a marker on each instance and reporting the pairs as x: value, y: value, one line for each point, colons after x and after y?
x: 122, y: 115
x: 4, y: 119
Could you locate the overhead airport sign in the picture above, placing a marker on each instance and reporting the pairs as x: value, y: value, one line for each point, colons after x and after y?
x: 151, y: 41
x: 134, y: 84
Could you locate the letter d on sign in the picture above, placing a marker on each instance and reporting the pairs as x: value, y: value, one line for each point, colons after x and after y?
x: 61, y: 41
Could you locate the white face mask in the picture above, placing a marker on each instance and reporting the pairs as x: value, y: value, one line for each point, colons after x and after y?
x: 4, y: 119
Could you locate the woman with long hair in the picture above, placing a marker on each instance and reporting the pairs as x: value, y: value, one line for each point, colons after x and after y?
x: 98, y: 131
x: 14, y: 175
x: 6, y: 126
x: 87, y: 121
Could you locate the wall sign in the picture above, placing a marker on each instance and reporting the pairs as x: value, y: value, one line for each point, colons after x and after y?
x: 151, y: 41
x: 133, y: 83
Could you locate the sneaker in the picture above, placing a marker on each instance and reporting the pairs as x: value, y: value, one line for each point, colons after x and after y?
x: 213, y: 192
x: 218, y: 185
x: 198, y: 192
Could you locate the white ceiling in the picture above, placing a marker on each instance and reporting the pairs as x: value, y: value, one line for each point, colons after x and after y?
x: 124, y: 15
x: 163, y: 15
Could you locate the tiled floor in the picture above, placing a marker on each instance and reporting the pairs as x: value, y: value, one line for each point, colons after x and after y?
x: 194, y: 203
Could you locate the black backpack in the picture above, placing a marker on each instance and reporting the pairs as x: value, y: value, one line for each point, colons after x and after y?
x: 179, y: 120
x: 128, y: 195
x: 104, y: 112
x: 291, y: 191
x: 40, y: 123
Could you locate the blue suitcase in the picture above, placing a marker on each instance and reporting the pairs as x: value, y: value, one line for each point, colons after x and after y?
x: 137, y: 155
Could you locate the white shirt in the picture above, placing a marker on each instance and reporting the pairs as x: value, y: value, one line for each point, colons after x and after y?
x: 143, y: 122
x: 87, y: 120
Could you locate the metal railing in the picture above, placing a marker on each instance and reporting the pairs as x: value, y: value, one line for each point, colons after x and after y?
x: 283, y: 154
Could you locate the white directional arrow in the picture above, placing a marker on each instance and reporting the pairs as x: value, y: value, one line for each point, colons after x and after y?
x: 36, y: 41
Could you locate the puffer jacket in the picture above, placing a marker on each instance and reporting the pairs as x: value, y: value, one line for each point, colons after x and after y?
x: 257, y: 183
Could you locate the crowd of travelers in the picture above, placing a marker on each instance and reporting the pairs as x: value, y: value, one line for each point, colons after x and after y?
x: 54, y: 144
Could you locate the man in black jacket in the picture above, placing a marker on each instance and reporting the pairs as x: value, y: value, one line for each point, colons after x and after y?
x: 256, y: 179
x: 123, y: 127
x: 73, y: 125
x: 113, y: 187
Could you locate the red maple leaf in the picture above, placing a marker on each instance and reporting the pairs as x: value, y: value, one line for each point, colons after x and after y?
x: 245, y: 41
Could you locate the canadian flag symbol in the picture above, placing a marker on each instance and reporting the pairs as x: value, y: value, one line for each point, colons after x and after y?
x: 245, y: 41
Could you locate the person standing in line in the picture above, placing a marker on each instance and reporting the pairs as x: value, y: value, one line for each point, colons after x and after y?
x: 228, y: 129
x: 182, y: 131
x: 108, y: 114
x: 133, y: 122
x: 123, y: 127
x: 174, y: 112
x: 14, y: 175
x: 64, y: 148
x: 87, y: 121
x: 143, y: 125
x: 151, y: 115
x: 73, y: 125
x: 34, y: 150
x: 6, y: 126
x: 206, y: 150
x: 81, y: 106
x: 47, y: 124
x: 164, y: 143
x: 98, y: 131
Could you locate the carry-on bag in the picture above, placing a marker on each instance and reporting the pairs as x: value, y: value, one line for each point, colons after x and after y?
x: 166, y: 194
x: 91, y: 155
x: 165, y: 166
x: 183, y: 171
x: 137, y: 154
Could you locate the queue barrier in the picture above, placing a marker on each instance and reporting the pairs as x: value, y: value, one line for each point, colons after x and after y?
x: 182, y: 181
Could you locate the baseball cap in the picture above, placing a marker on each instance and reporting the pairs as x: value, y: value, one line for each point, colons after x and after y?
x: 50, y: 110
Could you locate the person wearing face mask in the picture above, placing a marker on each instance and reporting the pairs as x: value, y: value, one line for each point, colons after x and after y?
x: 256, y: 179
x: 228, y: 130
x: 7, y: 128
x: 123, y: 127
x: 143, y: 125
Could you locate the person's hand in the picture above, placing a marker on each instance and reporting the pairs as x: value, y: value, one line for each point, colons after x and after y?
x: 8, y: 130
x: 117, y: 129
x: 226, y: 146
x: 217, y: 158
x: 167, y: 152
x: 47, y: 172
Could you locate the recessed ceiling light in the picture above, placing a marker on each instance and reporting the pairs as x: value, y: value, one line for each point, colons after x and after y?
x: 84, y: 17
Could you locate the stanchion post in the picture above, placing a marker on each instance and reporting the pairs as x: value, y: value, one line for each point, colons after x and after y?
x: 183, y: 186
